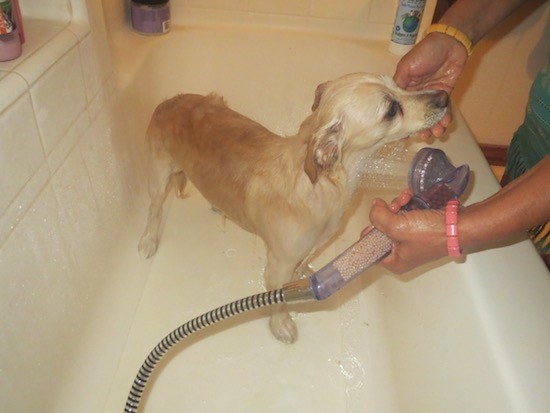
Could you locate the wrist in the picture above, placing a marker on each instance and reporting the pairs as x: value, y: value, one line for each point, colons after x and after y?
x: 475, y: 226
x: 462, y: 23
x: 451, y: 33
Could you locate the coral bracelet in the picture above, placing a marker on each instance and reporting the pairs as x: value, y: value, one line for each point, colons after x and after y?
x: 451, y: 225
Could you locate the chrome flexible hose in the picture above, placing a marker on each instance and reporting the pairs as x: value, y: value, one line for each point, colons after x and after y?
x: 221, y: 313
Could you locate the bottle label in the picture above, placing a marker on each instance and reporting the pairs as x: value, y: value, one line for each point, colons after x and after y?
x: 150, y: 19
x: 7, y: 22
x: 407, y: 21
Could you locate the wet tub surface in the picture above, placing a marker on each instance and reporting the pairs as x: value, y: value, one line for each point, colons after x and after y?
x: 450, y: 337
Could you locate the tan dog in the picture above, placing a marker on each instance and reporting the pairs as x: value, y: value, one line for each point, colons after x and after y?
x: 292, y: 192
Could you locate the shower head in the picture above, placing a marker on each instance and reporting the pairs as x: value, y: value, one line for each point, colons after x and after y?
x: 434, y: 180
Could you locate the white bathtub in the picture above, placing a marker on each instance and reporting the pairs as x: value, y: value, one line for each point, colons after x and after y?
x: 471, y: 337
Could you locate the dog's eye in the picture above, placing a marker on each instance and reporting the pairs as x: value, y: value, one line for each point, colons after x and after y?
x: 393, y: 110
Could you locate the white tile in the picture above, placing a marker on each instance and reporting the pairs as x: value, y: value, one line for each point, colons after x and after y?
x: 16, y: 211
x: 93, y: 65
x: 78, y: 211
x: 38, y: 34
x: 55, y: 10
x: 21, y: 152
x: 68, y: 141
x: 59, y: 97
x: 40, y: 298
x: 12, y: 87
x: 47, y: 55
x: 106, y: 165
x: 39, y: 241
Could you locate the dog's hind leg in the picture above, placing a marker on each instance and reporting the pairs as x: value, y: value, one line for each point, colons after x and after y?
x: 160, y: 180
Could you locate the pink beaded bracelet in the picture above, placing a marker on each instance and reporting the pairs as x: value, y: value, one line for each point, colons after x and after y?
x: 451, y: 224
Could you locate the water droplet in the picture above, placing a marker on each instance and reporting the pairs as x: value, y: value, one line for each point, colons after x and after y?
x: 230, y: 252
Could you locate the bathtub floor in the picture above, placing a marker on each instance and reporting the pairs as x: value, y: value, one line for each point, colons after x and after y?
x: 205, y: 261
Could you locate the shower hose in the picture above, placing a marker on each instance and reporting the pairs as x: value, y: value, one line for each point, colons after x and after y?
x: 185, y: 330
x: 433, y: 180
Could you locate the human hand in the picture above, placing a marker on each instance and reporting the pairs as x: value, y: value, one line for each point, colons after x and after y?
x: 398, y: 202
x: 436, y: 62
x: 417, y: 236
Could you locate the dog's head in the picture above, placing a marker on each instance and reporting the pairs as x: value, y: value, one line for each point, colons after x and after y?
x: 360, y: 111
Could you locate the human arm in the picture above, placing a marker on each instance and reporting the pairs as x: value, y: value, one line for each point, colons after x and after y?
x: 420, y: 236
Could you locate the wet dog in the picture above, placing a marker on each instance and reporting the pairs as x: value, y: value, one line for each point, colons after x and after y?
x: 292, y: 191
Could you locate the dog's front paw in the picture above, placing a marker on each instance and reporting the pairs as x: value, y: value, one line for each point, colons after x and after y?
x: 147, y: 247
x: 283, y: 328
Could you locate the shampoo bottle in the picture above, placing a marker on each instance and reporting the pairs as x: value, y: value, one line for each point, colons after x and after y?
x: 406, y: 25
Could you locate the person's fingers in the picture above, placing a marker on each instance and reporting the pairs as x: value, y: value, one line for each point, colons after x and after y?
x: 447, y: 118
x: 437, y: 130
x: 366, y: 231
x: 380, y: 215
x: 401, y: 200
x: 402, y: 76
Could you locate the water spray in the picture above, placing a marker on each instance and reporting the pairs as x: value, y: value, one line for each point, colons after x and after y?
x: 433, y: 181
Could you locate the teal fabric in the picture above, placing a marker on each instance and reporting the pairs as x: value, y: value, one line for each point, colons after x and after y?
x: 531, y: 143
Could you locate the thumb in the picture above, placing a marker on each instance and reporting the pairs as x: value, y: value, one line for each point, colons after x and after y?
x: 381, y: 215
x: 401, y: 77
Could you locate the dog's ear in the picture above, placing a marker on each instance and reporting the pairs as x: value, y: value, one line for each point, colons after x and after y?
x: 318, y: 93
x: 323, y: 150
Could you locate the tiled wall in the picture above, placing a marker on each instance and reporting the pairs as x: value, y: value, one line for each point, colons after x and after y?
x: 62, y: 194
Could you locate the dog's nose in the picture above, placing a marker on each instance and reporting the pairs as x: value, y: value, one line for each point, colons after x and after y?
x: 440, y: 99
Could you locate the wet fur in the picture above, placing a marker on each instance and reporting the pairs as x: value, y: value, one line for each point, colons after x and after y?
x: 293, y: 191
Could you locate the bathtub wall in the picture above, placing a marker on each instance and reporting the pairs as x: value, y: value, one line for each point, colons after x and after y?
x: 63, y: 194
x: 372, y: 18
x: 500, y: 71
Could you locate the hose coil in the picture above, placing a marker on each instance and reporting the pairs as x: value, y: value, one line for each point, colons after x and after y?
x: 221, y: 313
